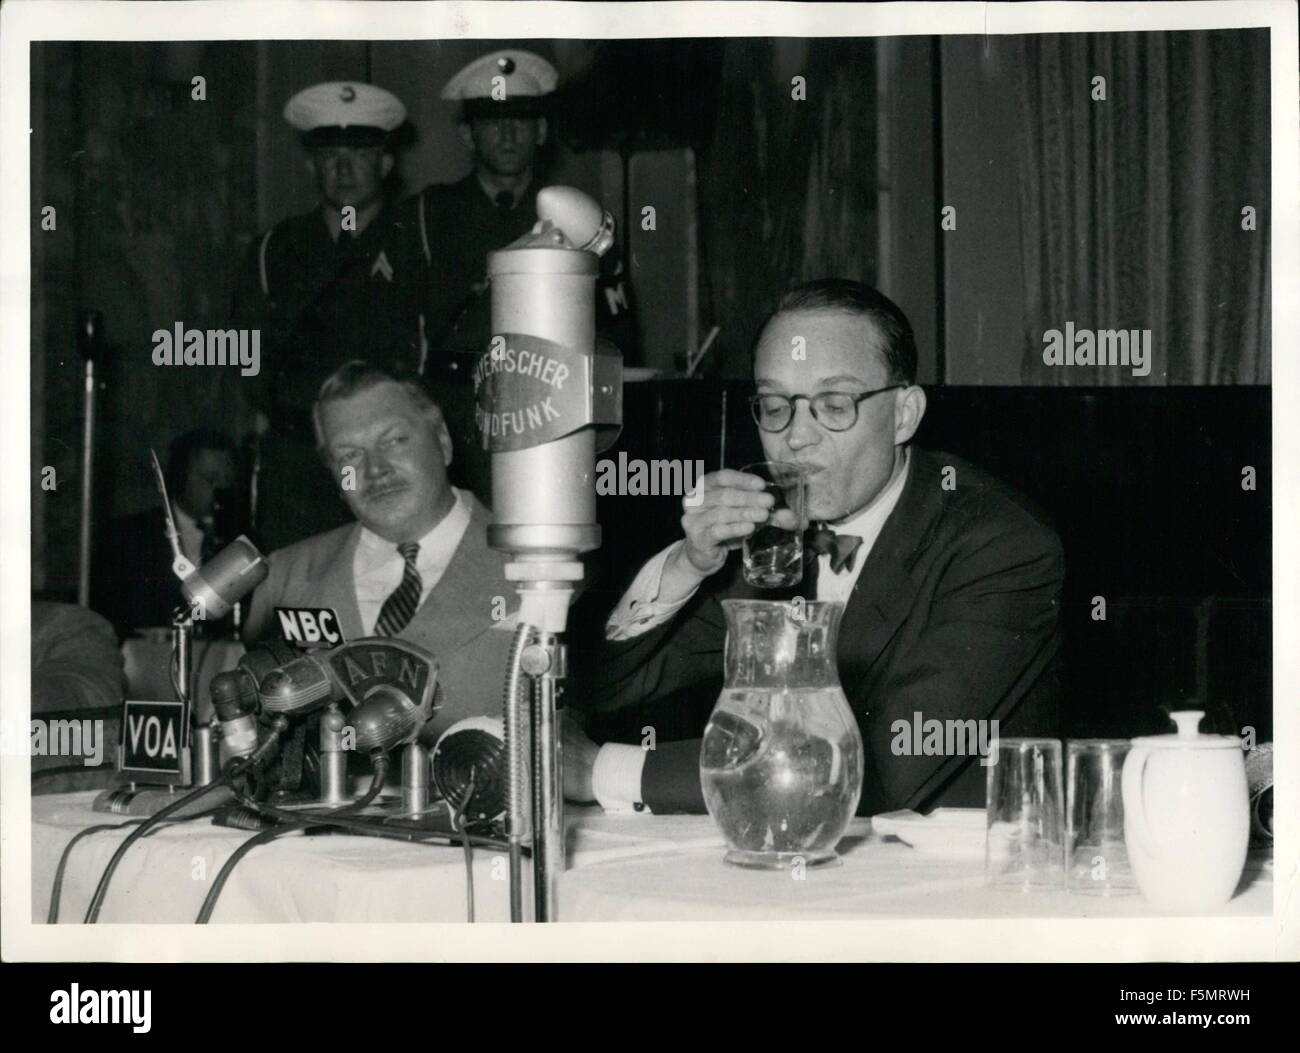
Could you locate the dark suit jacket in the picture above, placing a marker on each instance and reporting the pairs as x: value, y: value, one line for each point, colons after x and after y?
x: 954, y: 616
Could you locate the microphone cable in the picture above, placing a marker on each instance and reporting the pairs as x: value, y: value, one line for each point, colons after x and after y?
x: 267, y: 836
x: 458, y: 821
x: 56, y: 890
x: 393, y: 829
x: 227, y: 778
x: 380, y: 761
x: 326, y: 824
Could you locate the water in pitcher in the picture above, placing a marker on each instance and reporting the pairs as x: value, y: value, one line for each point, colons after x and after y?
x: 781, y: 770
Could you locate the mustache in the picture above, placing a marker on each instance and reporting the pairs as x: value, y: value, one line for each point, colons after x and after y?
x: 390, y: 486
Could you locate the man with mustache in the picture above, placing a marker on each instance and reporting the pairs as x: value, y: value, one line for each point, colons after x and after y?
x: 415, y: 564
x: 951, y: 581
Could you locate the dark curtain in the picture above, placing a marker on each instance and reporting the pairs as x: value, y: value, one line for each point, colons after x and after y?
x: 787, y: 188
x: 152, y: 189
x: 1132, y: 207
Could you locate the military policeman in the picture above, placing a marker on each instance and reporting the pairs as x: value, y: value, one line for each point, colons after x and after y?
x: 343, y: 281
x: 504, y: 100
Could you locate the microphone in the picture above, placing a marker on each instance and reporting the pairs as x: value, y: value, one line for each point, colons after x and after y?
x: 581, y: 221
x: 387, y: 718
x: 213, y: 589
x: 544, y: 395
x: 225, y: 579
x: 235, y: 699
x: 469, y: 763
x: 235, y: 702
x: 299, y: 686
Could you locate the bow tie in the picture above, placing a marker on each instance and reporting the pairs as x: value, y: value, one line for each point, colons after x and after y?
x: 842, y: 548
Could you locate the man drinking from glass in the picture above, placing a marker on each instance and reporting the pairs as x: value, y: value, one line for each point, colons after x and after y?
x: 951, y: 581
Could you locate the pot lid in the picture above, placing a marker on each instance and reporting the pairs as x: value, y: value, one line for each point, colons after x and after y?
x: 1187, y: 736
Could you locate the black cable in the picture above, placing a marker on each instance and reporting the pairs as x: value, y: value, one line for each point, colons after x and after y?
x: 397, y: 830
x: 376, y: 785
x: 52, y: 915
x: 458, y: 821
x: 56, y: 890
x: 291, y: 821
x: 101, y: 890
x: 223, y: 875
x: 236, y: 770
x: 323, y: 823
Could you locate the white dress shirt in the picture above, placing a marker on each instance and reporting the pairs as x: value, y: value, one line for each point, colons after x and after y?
x: 616, y: 775
x: 377, y: 566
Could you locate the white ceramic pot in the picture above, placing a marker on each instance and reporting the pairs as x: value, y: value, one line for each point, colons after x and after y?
x: 1186, y: 816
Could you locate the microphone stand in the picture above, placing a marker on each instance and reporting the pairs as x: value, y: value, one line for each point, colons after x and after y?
x: 90, y: 342
x: 543, y: 660
x: 545, y: 664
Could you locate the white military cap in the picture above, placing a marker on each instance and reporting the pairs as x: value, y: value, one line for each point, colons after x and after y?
x: 344, y: 112
x: 505, y: 83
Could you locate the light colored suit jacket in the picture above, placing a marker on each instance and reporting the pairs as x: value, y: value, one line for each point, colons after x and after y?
x: 455, y: 623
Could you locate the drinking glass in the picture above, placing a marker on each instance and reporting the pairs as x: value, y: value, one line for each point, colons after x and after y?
x: 773, y: 553
x: 1025, y: 847
x: 1096, y: 858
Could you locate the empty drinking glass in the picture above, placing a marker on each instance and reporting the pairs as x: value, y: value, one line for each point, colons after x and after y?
x: 1096, y: 859
x: 1025, y: 848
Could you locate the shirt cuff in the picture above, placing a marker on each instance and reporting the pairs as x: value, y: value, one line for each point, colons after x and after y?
x: 641, y: 609
x: 616, y: 778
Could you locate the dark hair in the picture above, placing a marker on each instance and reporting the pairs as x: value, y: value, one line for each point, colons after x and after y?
x: 182, y: 451
x: 356, y: 376
x: 843, y: 294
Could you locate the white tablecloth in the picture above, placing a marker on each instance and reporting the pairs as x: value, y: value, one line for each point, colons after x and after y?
x: 620, y: 868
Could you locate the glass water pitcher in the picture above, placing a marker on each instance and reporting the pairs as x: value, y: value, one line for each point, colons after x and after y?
x: 781, y: 761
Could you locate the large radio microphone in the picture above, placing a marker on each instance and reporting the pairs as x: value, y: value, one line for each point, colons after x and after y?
x: 547, y: 399
x: 544, y: 393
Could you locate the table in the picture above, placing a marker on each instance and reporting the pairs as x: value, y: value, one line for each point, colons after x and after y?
x: 633, y: 867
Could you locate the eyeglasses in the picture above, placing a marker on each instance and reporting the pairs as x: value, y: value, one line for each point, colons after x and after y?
x: 833, y: 410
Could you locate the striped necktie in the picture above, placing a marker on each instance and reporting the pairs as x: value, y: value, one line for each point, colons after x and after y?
x: 403, y: 601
